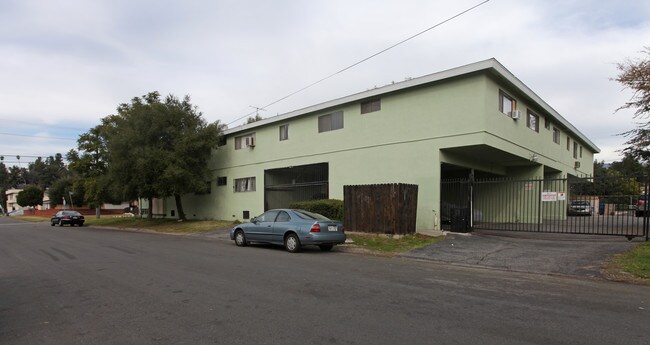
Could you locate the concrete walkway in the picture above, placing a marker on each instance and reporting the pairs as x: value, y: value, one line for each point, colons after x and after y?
x: 581, y: 255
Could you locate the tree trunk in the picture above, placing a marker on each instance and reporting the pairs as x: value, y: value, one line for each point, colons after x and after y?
x: 97, y: 212
x: 179, y: 206
x: 150, y: 214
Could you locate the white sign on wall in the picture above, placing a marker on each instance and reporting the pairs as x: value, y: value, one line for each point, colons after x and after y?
x: 549, y: 196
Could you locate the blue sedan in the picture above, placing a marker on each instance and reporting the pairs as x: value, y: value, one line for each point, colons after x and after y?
x: 290, y: 228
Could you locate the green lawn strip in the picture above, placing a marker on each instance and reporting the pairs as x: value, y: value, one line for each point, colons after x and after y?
x: 636, y: 261
x: 385, y: 244
x: 34, y: 219
x: 159, y: 225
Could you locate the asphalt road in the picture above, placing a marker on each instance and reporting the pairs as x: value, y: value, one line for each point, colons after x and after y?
x: 91, y: 286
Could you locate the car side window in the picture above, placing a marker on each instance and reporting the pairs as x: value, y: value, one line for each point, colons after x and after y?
x: 268, y: 216
x: 283, y: 217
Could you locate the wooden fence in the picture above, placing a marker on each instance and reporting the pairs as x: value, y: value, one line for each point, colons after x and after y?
x: 381, y: 208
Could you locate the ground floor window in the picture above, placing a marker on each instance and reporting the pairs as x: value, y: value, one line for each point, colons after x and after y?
x: 246, y: 184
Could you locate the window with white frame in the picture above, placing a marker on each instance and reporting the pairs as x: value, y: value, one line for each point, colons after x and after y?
x: 284, y: 132
x: 507, y: 104
x: 246, y: 184
x: 246, y: 140
x: 330, y: 122
x: 556, y: 135
x: 532, y: 121
x: 370, y: 106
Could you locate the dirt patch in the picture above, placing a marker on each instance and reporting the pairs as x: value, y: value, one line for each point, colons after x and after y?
x: 612, y: 271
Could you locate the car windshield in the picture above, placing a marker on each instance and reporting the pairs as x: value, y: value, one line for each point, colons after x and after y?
x: 310, y: 215
x: 71, y: 213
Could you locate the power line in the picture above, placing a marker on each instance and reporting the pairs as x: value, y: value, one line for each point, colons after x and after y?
x: 36, y: 136
x: 368, y: 58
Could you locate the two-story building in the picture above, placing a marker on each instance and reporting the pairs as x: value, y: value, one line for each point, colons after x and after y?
x: 476, y: 118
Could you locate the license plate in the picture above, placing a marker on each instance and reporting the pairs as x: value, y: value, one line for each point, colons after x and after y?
x: 75, y: 217
x: 332, y: 228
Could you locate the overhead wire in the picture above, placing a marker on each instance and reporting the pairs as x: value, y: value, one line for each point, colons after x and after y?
x: 366, y: 59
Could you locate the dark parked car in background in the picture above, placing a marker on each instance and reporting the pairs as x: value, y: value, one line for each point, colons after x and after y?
x: 580, y: 208
x: 291, y: 228
x: 67, y: 217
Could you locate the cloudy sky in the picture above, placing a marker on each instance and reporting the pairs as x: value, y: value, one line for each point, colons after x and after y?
x: 66, y: 64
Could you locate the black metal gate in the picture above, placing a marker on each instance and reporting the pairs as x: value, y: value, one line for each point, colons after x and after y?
x: 283, y: 186
x: 616, y: 206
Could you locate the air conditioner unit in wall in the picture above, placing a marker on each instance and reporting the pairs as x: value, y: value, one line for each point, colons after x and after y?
x: 515, y: 114
x: 250, y: 141
x: 576, y: 165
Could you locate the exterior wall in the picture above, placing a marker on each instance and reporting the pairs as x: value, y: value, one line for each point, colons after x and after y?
x: 404, y: 142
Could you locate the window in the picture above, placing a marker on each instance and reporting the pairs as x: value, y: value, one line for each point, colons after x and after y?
x: 330, y: 122
x: 283, y: 217
x: 532, y: 121
x: 575, y: 149
x: 580, y: 151
x: 370, y: 106
x: 268, y: 216
x: 556, y: 135
x: 507, y: 104
x: 547, y: 123
x: 284, y: 132
x: 222, y: 181
x: 222, y: 141
x: 246, y: 184
x: 244, y: 141
x: 568, y: 143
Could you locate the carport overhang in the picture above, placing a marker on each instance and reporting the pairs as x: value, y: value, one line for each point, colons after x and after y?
x: 485, y: 158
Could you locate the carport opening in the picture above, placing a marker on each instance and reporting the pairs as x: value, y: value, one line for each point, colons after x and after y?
x: 284, y: 186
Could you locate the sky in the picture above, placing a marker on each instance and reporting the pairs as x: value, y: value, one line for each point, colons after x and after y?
x: 66, y: 64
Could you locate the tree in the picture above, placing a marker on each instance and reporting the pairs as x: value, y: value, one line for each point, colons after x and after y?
x: 160, y: 148
x: 90, y: 164
x: 635, y: 75
x: 251, y: 119
x: 30, y: 196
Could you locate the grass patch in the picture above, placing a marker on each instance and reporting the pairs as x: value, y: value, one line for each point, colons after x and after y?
x: 33, y: 219
x: 384, y: 244
x: 636, y: 261
x: 159, y: 225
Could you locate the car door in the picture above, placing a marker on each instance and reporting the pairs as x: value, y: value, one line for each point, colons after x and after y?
x: 261, y: 228
x: 280, y: 227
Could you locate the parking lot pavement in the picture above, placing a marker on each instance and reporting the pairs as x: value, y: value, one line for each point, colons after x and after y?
x: 581, y: 255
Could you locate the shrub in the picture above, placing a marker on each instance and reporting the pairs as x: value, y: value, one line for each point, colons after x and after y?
x: 330, y: 208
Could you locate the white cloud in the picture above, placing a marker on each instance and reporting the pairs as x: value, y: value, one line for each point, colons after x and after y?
x: 72, y: 62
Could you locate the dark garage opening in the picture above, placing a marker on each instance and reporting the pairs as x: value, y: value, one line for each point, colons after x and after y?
x: 283, y: 186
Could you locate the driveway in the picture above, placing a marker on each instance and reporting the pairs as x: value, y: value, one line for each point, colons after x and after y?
x: 581, y: 255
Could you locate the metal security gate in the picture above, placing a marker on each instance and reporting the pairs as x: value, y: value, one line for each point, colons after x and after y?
x: 616, y: 206
x: 283, y: 186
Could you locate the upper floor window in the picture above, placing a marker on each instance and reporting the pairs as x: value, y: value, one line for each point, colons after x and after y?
x: 222, y: 141
x: 575, y: 149
x: 568, y: 143
x: 532, y: 121
x: 547, y: 123
x: 507, y: 104
x: 284, y: 132
x: 222, y: 180
x: 246, y: 140
x: 330, y: 122
x: 556, y: 135
x: 370, y: 106
x: 580, y: 151
x: 246, y: 184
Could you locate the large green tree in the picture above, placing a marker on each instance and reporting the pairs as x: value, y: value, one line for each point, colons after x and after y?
x: 634, y: 74
x: 160, y: 148
x: 30, y: 196
x: 90, y: 164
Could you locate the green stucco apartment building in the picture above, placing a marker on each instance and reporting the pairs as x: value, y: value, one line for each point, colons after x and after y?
x: 476, y: 118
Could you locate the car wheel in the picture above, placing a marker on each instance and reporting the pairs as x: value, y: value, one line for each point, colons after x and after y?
x: 60, y: 223
x: 240, y: 239
x: 326, y: 247
x: 52, y: 223
x: 81, y: 224
x: 292, y: 243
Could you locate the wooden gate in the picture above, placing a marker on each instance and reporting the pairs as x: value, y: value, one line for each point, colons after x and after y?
x: 381, y: 208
